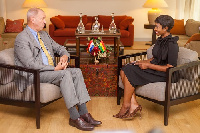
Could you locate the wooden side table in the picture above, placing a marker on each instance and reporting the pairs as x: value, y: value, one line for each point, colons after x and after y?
x: 149, y: 26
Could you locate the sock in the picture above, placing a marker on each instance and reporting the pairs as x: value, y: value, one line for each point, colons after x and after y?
x: 73, y: 112
x: 82, y: 109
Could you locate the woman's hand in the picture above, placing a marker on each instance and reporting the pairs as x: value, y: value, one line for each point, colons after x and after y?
x: 143, y: 65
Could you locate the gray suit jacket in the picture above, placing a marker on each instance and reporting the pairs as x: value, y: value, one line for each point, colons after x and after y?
x: 28, y: 53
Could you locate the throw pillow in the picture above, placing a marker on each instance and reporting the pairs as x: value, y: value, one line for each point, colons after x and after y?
x: 57, y: 22
x: 178, y: 28
x: 192, y: 27
x: 14, y: 26
x: 125, y: 23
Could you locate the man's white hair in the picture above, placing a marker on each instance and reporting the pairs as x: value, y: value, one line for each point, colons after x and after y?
x: 32, y: 12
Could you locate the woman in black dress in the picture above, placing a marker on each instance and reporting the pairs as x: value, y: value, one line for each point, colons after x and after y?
x: 165, y: 54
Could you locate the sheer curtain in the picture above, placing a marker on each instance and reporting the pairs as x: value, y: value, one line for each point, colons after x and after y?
x: 3, y: 9
x: 188, y: 9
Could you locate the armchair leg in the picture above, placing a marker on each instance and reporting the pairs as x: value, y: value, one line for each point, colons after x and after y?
x: 166, y: 114
x: 38, y: 118
x: 119, y: 95
x: 37, y: 110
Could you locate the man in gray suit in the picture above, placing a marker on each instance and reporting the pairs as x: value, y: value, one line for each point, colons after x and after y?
x: 35, y: 49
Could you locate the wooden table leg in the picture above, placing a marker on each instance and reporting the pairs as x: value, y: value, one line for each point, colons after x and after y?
x: 114, y: 46
x: 78, y: 46
x: 118, y: 40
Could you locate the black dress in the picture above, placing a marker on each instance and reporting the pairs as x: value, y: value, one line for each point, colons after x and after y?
x: 164, y: 52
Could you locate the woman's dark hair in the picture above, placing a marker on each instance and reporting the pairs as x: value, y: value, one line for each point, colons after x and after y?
x: 165, y: 21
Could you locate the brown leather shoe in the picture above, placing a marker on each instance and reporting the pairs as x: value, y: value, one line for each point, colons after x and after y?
x: 89, y: 119
x: 81, y: 124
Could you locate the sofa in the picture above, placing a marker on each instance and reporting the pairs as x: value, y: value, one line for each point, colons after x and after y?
x: 63, y: 28
x: 9, y: 31
x: 185, y: 32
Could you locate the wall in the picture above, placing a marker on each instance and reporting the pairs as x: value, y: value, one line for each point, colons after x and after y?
x: 132, y: 8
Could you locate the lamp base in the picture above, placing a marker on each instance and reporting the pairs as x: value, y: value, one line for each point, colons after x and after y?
x: 152, y: 15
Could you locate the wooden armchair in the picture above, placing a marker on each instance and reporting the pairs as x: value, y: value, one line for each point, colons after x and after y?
x: 35, y: 94
x: 182, y: 85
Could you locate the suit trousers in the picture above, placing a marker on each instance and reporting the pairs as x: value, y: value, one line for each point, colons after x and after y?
x: 71, y: 84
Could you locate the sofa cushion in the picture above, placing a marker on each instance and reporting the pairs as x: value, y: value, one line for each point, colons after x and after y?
x: 73, y: 21
x: 179, y: 28
x: 106, y: 20
x: 7, y: 57
x: 65, y: 32
x: 125, y: 23
x: 192, y: 27
x: 57, y: 22
x: 14, y: 26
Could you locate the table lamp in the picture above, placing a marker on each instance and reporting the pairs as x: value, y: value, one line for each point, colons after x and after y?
x: 154, y: 12
x: 34, y: 3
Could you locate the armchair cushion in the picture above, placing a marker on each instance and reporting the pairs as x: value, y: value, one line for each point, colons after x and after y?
x: 14, y: 26
x: 184, y: 55
x: 125, y: 23
x: 57, y: 22
x: 48, y: 92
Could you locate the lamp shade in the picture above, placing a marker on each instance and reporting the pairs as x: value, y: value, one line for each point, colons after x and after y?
x: 34, y: 3
x: 155, y: 12
x: 155, y: 4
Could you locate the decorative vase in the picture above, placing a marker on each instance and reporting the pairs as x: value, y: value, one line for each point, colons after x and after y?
x: 112, y: 27
x: 81, y: 28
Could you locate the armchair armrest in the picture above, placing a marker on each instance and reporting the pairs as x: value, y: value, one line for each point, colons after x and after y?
x: 183, y: 80
x: 11, y: 69
x: 131, y: 33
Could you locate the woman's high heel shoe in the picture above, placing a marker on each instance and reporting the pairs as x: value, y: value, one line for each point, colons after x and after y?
x: 134, y: 113
x: 118, y: 115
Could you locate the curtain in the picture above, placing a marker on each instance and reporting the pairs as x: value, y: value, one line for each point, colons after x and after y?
x: 3, y: 9
x: 188, y: 9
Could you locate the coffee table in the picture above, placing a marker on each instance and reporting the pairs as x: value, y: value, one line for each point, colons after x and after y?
x: 89, y: 33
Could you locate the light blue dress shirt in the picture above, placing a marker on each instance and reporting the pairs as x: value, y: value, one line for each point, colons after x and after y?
x: 44, y: 57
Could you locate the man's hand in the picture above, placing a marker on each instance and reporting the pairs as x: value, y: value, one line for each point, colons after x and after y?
x: 61, y: 66
x: 64, y: 59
